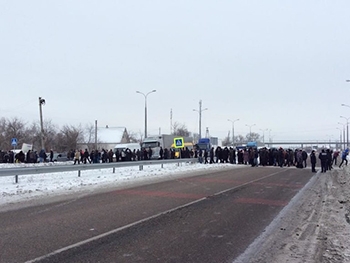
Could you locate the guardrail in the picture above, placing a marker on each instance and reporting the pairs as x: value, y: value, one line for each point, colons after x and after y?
x: 82, y: 167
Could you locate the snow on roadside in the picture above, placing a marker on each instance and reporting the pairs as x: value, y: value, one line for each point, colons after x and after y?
x: 52, y: 184
x: 313, y: 227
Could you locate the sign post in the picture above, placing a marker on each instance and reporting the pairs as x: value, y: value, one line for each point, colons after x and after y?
x: 14, y: 144
x: 179, y: 143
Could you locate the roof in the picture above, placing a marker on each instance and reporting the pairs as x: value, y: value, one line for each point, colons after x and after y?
x: 110, y: 134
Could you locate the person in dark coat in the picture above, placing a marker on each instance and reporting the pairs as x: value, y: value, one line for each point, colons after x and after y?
x: 212, y: 155
x: 313, y: 161
x: 323, y: 157
x: 51, y: 155
x: 329, y: 159
x: 150, y: 152
x: 166, y: 153
x: 205, y: 156
x: 86, y: 156
x: 28, y: 158
x: 304, y: 155
x: 161, y: 152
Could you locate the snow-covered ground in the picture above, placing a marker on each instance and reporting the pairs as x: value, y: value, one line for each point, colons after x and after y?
x: 35, y: 188
x: 313, y: 227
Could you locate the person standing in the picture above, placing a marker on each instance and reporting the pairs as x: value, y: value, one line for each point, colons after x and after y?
x: 77, y: 157
x: 212, y: 155
x: 51, y: 155
x: 335, y: 157
x: 323, y: 157
x: 161, y: 152
x: 304, y: 156
x: 205, y: 156
x: 42, y: 156
x: 313, y: 161
x: 344, y: 157
x: 86, y: 156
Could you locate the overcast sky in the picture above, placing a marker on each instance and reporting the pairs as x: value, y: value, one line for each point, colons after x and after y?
x: 281, y: 65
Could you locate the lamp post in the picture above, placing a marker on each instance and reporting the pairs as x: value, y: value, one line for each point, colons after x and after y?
x: 270, y: 136
x: 347, y: 129
x: 250, y: 130
x: 343, y: 133
x: 340, y: 139
x: 145, y: 95
x: 200, y: 110
x: 233, y: 131
x: 41, y: 103
x: 329, y: 140
x: 263, y: 130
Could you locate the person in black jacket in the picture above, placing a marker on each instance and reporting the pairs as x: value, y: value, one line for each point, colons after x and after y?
x: 323, y: 157
x: 304, y: 155
x: 313, y: 161
x: 212, y: 155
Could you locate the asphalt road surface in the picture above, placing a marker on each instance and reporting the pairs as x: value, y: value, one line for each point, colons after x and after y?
x: 207, y: 217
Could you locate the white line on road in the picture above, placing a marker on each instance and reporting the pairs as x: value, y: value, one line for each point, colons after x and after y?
x: 86, y: 241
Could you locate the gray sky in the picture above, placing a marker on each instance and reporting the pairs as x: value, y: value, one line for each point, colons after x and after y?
x: 281, y: 65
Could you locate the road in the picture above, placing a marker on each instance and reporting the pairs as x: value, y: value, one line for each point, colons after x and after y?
x: 207, y: 217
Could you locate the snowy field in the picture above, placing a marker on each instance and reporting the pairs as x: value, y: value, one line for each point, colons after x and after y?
x: 41, y: 186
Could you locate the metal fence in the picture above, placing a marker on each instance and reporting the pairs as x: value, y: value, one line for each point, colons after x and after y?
x: 16, y: 171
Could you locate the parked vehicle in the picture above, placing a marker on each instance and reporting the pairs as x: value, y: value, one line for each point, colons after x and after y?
x: 164, y: 141
x: 204, y: 144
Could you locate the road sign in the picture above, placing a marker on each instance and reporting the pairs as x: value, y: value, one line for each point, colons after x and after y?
x: 179, y: 142
x: 14, y: 141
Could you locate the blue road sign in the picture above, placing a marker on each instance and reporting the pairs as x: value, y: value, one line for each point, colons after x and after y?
x: 179, y: 142
x: 14, y: 141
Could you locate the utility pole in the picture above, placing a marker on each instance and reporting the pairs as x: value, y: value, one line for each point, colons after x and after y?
x: 171, y: 121
x: 233, y: 130
x: 347, y: 130
x: 41, y: 103
x: 200, y: 118
x: 95, y: 135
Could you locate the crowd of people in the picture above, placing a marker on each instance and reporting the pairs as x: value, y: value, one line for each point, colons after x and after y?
x: 240, y: 155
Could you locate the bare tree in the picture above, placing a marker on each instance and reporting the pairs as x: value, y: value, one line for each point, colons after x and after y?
x: 239, y: 139
x: 180, y: 130
x: 134, y: 137
x: 89, y: 136
x: 69, y: 136
x: 14, y: 128
x: 33, y: 135
x: 3, y: 123
x: 50, y: 132
x: 227, y: 140
x: 253, y: 137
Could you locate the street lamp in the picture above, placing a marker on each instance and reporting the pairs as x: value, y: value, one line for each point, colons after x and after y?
x: 343, y: 133
x: 200, y: 117
x: 263, y: 130
x: 340, y: 138
x: 347, y: 130
x: 233, y: 131
x: 250, y: 130
x: 145, y: 95
x: 41, y: 103
x: 270, y: 135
